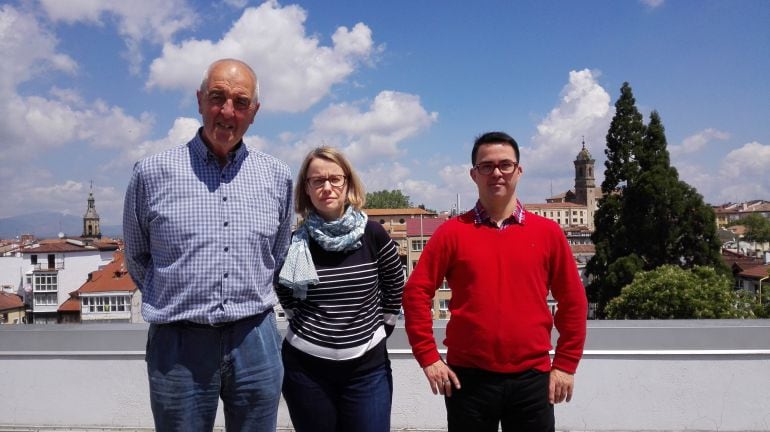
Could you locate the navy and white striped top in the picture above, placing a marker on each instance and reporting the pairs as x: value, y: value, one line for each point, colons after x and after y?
x: 204, y: 242
x: 358, y: 293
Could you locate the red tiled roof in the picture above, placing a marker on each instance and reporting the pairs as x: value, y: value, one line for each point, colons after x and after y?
x: 539, y: 206
x: 396, y: 212
x: 71, y: 305
x: 70, y: 245
x: 739, y: 261
x: 756, y: 272
x: 112, y: 277
x: 10, y: 302
x: 583, y: 248
x: 414, y: 227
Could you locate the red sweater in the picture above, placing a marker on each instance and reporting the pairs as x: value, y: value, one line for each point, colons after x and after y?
x: 500, y: 280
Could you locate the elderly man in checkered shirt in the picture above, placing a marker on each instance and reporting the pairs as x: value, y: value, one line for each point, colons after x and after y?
x: 206, y: 226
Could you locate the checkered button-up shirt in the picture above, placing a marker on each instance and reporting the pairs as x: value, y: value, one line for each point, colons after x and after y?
x: 204, y: 242
x: 482, y: 217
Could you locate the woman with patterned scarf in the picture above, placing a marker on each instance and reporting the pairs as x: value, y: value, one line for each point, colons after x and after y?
x: 341, y: 289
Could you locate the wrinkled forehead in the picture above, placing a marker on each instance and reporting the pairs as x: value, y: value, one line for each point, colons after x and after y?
x: 231, y: 77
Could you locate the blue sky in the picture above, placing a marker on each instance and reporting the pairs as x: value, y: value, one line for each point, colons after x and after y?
x: 403, y: 87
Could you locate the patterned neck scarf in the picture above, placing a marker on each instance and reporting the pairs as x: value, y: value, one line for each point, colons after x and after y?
x: 343, y: 234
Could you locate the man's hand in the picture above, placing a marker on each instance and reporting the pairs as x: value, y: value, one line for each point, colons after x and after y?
x: 560, y: 386
x: 441, y: 378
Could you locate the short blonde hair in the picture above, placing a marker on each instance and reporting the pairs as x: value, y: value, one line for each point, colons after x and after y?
x: 356, y: 195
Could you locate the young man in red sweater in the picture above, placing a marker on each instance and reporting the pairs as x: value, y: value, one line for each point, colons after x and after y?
x: 500, y: 262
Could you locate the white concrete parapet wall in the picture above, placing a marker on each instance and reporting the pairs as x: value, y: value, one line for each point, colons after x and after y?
x: 635, y: 376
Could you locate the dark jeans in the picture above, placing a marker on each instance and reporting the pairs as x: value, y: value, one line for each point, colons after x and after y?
x: 190, y: 366
x: 336, y: 396
x: 486, y: 399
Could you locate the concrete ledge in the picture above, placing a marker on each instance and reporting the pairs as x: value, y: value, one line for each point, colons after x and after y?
x: 635, y: 376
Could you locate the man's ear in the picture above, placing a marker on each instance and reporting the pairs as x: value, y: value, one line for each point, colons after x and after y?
x: 198, y: 95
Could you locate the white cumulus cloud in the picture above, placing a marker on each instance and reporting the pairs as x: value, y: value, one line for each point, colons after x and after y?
x: 697, y: 142
x: 295, y: 70
x: 584, y: 111
x: 138, y: 21
x: 183, y: 129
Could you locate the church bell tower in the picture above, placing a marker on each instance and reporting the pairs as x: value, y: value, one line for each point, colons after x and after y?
x: 91, y: 218
x: 585, y: 183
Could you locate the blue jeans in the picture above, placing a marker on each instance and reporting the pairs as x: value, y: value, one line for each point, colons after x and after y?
x: 335, y: 396
x: 191, y: 366
x: 515, y: 401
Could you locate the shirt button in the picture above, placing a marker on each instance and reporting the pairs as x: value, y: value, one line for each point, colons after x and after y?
x: 224, y: 198
x: 227, y: 248
x: 226, y: 274
x: 226, y: 223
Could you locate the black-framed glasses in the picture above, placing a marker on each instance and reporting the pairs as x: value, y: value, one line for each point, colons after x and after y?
x: 505, y: 167
x: 336, y: 181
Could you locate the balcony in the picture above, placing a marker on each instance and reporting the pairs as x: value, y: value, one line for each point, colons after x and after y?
x: 709, y: 375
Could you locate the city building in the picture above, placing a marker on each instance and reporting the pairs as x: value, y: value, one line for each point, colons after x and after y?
x: 108, y: 295
x: 418, y: 231
x: 53, y: 268
x: 91, y: 219
x: 12, y: 309
x: 575, y: 207
x: 731, y: 212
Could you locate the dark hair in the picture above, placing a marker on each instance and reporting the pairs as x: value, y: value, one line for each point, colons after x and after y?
x: 494, y: 138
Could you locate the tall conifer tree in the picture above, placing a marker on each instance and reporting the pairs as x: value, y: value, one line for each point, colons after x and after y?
x: 654, y: 218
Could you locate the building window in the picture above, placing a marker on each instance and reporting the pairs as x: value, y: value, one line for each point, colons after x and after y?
x: 418, y: 245
x: 105, y: 304
x: 444, y: 286
x: 414, y: 264
x: 443, y: 305
x: 46, y: 282
x: 33, y: 259
x: 45, y: 299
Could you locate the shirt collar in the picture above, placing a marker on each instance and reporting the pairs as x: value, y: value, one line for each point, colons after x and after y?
x: 202, y: 151
x: 482, y: 217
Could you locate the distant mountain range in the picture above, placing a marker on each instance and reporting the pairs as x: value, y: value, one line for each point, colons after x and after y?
x: 49, y: 225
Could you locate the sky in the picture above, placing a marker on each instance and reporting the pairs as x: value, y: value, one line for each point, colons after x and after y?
x: 403, y: 87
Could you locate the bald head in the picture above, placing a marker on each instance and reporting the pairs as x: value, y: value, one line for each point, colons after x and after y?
x: 232, y: 62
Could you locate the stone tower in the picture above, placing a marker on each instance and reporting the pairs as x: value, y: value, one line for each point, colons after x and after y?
x: 585, y: 184
x: 91, y: 218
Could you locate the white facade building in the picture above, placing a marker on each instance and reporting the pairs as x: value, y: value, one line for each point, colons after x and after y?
x: 54, y: 268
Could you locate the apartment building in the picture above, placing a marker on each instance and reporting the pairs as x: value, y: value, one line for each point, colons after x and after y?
x: 108, y: 295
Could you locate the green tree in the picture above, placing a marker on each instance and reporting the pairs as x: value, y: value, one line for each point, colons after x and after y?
x: 654, y: 219
x: 624, y: 136
x: 671, y: 292
x: 623, y: 139
x: 757, y: 227
x: 387, y: 199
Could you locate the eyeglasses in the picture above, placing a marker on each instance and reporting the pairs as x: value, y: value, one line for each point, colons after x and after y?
x: 336, y: 181
x: 505, y: 167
